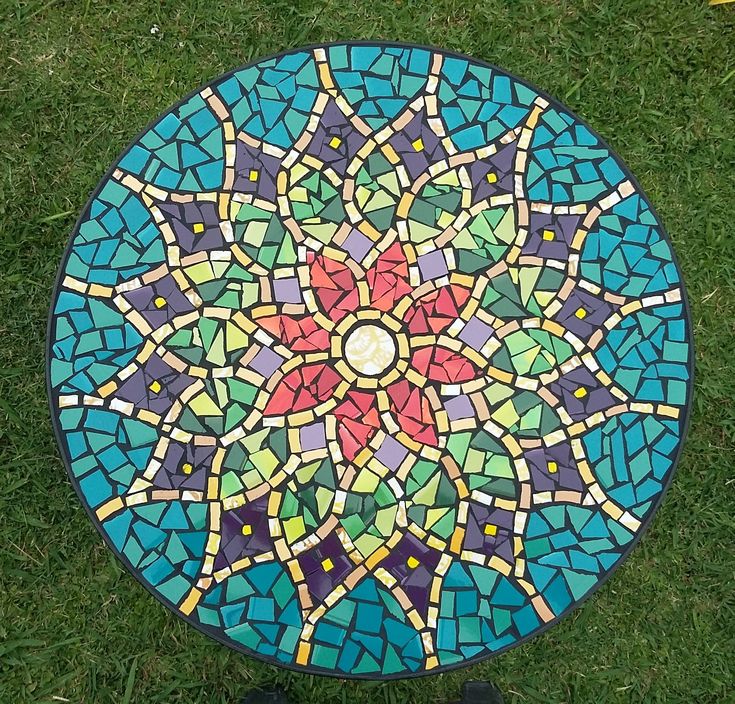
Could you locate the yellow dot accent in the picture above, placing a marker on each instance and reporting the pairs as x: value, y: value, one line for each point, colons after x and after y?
x: 492, y: 177
x: 327, y: 564
x: 581, y: 392
x: 253, y: 175
x: 412, y: 562
x: 580, y: 313
x: 491, y: 529
x: 335, y: 142
x: 548, y: 235
x: 553, y: 467
x: 198, y: 228
x: 418, y: 145
x: 246, y: 529
x: 159, y: 302
x: 155, y: 386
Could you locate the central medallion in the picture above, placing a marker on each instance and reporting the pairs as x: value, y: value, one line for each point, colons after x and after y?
x: 370, y: 349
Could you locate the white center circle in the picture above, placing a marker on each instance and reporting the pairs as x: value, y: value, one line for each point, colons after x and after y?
x: 369, y: 349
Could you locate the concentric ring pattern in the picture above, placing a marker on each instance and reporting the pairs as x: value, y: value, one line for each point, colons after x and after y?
x: 369, y: 360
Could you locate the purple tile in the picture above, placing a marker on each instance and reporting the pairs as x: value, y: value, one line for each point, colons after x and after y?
x: 180, y: 457
x: 160, y: 301
x: 417, y: 155
x: 313, y: 437
x: 432, y: 265
x: 266, y: 361
x: 459, y: 407
x: 155, y: 386
x: 287, y: 290
x: 357, y: 244
x: 186, y: 219
x: 245, y: 533
x: 255, y: 171
x: 325, y: 566
x: 475, y: 333
x: 596, y: 311
x: 498, y: 542
x: 391, y: 453
x: 596, y: 396
x: 499, y: 167
x: 559, y: 458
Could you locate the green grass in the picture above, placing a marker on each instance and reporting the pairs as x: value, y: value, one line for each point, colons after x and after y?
x: 78, y: 80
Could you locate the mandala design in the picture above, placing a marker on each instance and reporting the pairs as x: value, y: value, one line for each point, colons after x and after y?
x: 370, y: 360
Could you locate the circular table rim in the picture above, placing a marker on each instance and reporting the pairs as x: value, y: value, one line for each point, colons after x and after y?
x: 214, y: 633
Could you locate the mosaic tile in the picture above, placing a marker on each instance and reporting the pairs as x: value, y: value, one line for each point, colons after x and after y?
x: 369, y: 360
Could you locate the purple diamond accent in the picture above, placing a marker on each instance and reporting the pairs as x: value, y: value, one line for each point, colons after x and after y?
x: 566, y: 476
x: 185, y: 216
x: 171, y: 474
x: 143, y: 300
x: 287, y: 290
x: 459, y: 407
x: 357, y: 244
x: 475, y: 333
x: 266, y: 361
x: 235, y: 544
x: 321, y: 579
x: 432, y: 265
x: 137, y: 388
x: 313, y: 437
x: 391, y: 453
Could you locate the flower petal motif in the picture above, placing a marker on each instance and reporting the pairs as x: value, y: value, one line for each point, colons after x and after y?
x: 299, y: 334
x: 334, y: 286
x: 434, y: 312
x: 357, y: 422
x: 413, y: 412
x: 443, y: 365
x: 302, y: 389
x: 388, y: 278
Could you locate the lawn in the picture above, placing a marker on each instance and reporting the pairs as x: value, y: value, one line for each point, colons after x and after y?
x: 79, y: 79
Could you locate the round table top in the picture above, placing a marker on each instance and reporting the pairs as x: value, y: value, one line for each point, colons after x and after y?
x: 370, y: 360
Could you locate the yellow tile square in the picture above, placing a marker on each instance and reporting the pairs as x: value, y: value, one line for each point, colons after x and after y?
x: 580, y: 313
x: 490, y: 529
x: 327, y: 564
x: 335, y: 142
x: 246, y: 529
x: 492, y: 177
x: 159, y: 302
x: 418, y: 144
x: 548, y: 235
x: 581, y: 392
x: 155, y: 386
x: 553, y: 467
x: 412, y: 562
x: 253, y: 175
x: 198, y: 228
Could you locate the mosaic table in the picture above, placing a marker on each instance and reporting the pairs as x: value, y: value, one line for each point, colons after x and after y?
x: 370, y: 360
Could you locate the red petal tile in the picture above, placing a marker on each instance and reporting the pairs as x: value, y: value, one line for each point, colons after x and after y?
x: 302, y: 389
x: 334, y: 287
x: 300, y: 334
x: 388, y: 278
x: 436, y: 311
x: 413, y: 412
x: 443, y: 365
x: 357, y: 421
